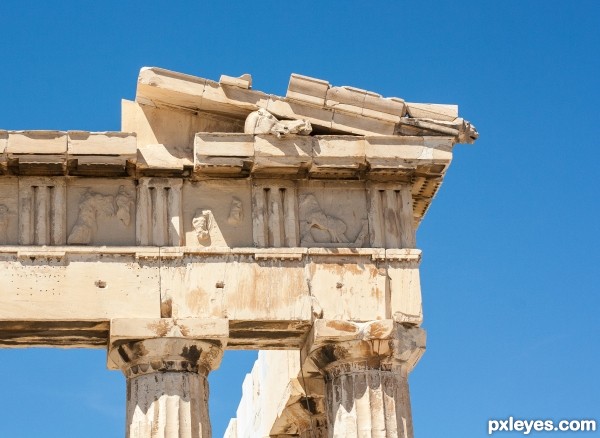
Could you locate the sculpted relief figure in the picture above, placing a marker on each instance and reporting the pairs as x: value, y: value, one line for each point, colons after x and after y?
x: 236, y: 213
x: 263, y: 122
x: 124, y: 202
x: 3, y: 224
x: 330, y: 229
x: 318, y: 228
x: 202, y: 222
x: 92, y: 205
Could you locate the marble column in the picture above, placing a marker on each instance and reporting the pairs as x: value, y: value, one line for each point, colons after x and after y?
x: 167, y: 387
x: 365, y: 367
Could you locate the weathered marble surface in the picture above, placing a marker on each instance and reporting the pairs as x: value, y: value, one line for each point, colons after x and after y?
x: 225, y: 217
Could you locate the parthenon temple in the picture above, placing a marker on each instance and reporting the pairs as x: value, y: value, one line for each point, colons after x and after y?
x: 222, y: 217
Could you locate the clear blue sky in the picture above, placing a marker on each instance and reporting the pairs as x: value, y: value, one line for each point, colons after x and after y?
x: 510, y: 270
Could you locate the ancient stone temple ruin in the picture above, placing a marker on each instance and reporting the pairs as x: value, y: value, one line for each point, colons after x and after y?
x: 221, y: 217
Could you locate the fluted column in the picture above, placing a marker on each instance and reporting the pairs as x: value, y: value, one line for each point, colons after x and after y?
x: 366, y: 368
x: 167, y: 387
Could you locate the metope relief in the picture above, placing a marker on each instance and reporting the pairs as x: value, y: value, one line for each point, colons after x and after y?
x: 94, y: 207
x: 206, y: 227
x: 318, y: 228
x: 216, y: 214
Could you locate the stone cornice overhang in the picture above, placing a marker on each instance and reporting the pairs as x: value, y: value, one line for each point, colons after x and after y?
x: 332, y: 110
x: 111, y: 154
x: 78, y: 153
x: 419, y: 161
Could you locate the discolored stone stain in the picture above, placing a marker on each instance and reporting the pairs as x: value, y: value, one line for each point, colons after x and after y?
x: 161, y: 328
x: 309, y: 404
x: 356, y: 269
x: 139, y: 349
x: 100, y: 284
x: 373, y: 362
x: 365, y: 348
x: 325, y: 355
x: 155, y: 420
x: 192, y: 354
x: 196, y: 300
x: 184, y: 330
x: 128, y: 388
x: 374, y: 271
x: 343, y: 326
x: 378, y: 330
x: 166, y: 308
x: 391, y: 222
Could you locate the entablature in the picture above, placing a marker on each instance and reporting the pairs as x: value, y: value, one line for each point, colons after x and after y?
x: 219, y: 201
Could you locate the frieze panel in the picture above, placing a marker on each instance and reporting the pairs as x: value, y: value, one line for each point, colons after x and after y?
x: 333, y: 215
x: 101, y: 212
x: 217, y: 214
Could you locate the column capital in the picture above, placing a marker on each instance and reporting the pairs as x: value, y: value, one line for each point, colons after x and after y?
x: 142, y: 346
x: 337, y: 347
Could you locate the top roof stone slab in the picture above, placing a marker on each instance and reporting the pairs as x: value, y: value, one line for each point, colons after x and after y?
x: 330, y: 109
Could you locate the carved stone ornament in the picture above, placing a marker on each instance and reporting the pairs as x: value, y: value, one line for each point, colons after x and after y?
x: 236, y: 212
x: 124, y: 202
x: 202, y: 222
x: 263, y: 122
x: 92, y: 205
x: 318, y: 228
x: 314, y: 219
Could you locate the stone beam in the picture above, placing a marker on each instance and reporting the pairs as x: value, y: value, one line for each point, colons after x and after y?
x: 66, y: 295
